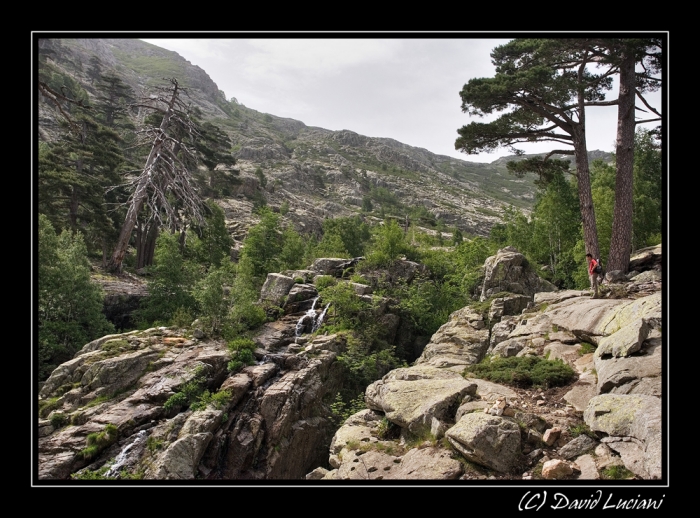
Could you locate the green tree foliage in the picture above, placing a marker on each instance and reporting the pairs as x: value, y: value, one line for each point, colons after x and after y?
x: 603, y: 189
x: 293, y: 250
x: 211, y: 244
x: 171, y: 287
x: 262, y: 246
x: 550, y: 235
x: 363, y: 362
x: 541, y: 90
x: 343, y: 237
x: 388, y: 244
x: 69, y: 304
x: 648, y: 191
x: 270, y: 247
x: 75, y: 175
x: 347, y: 309
x: 214, y: 298
x: 112, y: 102
x: 556, y: 226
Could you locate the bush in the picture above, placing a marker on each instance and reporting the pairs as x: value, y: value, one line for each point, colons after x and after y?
x: 388, y: 245
x: 523, y: 371
x: 241, y: 353
x: 324, y: 281
x: 59, y: 420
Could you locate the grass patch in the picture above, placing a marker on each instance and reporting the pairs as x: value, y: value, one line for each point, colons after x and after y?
x: 582, y: 429
x: 617, y: 472
x: 524, y: 371
x: 586, y: 348
x: 48, y: 405
x: 98, y: 441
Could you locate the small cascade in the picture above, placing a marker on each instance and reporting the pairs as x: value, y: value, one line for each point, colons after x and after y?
x: 123, y: 458
x: 310, y: 315
x: 319, y: 321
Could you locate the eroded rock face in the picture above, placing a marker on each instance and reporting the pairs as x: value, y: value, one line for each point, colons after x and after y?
x: 276, y: 288
x: 633, y: 425
x: 488, y: 440
x: 462, y: 341
x: 272, y: 424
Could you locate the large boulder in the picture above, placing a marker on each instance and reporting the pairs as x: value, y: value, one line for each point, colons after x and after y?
x: 420, y: 405
x: 633, y: 425
x: 509, y: 271
x: 462, y: 341
x: 488, y: 440
x: 276, y: 288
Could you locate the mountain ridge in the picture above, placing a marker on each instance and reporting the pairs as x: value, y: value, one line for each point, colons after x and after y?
x: 320, y: 173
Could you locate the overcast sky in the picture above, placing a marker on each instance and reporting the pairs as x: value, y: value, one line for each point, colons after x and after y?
x: 405, y: 89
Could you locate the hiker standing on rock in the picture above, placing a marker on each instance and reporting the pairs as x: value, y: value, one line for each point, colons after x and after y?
x: 593, y: 271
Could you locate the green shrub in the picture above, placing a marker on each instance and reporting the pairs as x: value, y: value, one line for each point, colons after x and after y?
x: 324, y: 281
x: 189, y: 392
x: 59, y: 420
x: 241, y: 353
x: 217, y: 400
x: 182, y: 318
x: 342, y: 410
x: 523, y: 371
x: 48, y: 405
x: 586, y: 348
x: 582, y: 429
x: 87, y: 474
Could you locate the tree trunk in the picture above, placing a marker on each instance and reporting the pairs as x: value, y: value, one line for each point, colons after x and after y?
x: 621, y: 238
x: 585, y: 198
x: 140, y: 194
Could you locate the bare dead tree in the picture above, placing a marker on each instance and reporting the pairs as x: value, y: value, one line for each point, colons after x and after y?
x: 165, y: 185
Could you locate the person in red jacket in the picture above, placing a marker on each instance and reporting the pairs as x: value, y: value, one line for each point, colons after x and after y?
x: 593, y: 275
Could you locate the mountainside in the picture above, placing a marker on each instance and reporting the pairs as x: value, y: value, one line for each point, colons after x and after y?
x: 319, y: 173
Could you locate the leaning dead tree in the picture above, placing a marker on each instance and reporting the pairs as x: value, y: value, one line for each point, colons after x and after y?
x: 164, y: 189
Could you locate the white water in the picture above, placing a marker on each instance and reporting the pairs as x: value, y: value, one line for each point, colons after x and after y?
x: 123, y: 456
x: 318, y: 322
x: 312, y: 315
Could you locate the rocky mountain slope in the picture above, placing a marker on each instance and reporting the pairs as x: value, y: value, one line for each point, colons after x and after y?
x: 113, y: 412
x: 316, y: 172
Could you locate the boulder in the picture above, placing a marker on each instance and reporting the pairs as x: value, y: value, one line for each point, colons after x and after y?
x: 634, y: 419
x: 509, y: 271
x: 416, y: 404
x: 487, y: 440
x: 276, y: 288
x: 462, y: 341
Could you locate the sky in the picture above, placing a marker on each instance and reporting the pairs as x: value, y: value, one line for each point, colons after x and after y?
x: 406, y: 89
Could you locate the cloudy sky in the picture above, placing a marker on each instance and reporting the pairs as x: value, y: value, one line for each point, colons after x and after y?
x: 406, y: 89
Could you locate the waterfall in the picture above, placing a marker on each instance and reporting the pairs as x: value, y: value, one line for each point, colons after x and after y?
x: 123, y: 456
x: 318, y: 322
x: 311, y: 314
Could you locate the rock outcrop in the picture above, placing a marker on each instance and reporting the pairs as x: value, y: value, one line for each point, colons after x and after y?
x: 161, y: 404
x: 612, y: 408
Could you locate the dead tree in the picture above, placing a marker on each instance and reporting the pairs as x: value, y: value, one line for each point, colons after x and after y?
x: 165, y: 185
